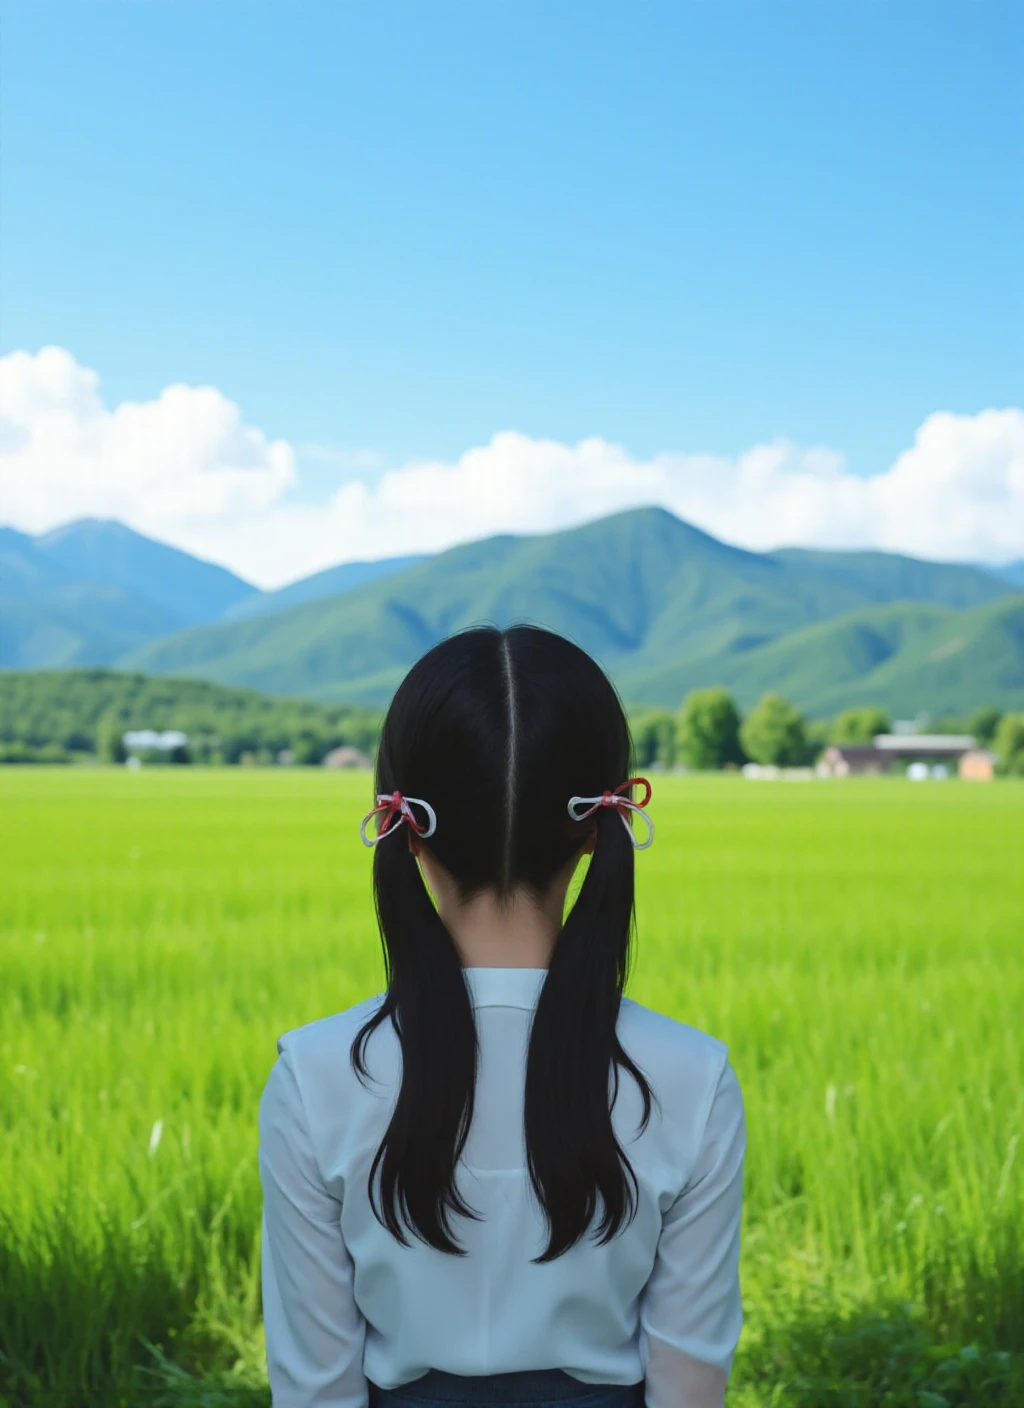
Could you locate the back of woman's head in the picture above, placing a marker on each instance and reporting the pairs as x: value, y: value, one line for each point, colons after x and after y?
x: 497, y: 730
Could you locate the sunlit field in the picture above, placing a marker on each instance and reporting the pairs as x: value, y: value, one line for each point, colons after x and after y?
x: 857, y: 944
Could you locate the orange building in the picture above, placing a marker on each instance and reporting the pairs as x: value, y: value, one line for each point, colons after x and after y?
x: 976, y: 765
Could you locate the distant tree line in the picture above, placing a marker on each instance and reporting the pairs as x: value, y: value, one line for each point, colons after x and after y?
x: 67, y: 716
x: 710, y: 732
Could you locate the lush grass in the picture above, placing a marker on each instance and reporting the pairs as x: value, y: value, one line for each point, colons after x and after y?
x: 857, y: 944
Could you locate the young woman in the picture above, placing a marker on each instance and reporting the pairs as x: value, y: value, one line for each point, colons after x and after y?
x: 482, y: 1095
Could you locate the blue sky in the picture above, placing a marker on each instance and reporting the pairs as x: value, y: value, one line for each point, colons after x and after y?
x: 390, y: 231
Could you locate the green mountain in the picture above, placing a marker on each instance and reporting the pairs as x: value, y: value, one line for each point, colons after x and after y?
x: 966, y: 658
x: 103, y: 550
x: 904, y: 656
x: 659, y: 603
x: 90, y: 591
x: 888, y: 576
x: 79, y: 622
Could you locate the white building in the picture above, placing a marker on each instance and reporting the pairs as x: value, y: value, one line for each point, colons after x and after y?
x: 144, y: 738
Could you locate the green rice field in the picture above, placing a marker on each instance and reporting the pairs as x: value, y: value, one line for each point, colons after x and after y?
x: 858, y: 944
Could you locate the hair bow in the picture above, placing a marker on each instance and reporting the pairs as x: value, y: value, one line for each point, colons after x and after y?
x: 398, y: 806
x: 622, y: 804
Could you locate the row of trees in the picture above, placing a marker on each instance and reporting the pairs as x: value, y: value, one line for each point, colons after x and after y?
x: 74, y: 715
x: 710, y: 732
x: 1008, y: 745
x: 67, y: 715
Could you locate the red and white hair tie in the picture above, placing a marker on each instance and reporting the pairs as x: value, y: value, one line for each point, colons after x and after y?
x: 396, y: 806
x: 622, y: 804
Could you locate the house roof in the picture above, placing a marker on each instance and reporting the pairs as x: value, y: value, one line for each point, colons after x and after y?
x: 924, y: 742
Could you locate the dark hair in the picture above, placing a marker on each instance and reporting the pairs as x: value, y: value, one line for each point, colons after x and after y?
x: 497, y: 730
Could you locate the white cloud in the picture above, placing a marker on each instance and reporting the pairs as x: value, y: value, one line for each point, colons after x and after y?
x: 187, y: 469
x: 186, y: 458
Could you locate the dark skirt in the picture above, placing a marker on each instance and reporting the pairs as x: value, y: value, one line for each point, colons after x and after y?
x: 539, y: 1388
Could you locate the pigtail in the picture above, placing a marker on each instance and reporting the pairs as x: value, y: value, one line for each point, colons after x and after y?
x: 433, y: 1018
x: 573, y: 1044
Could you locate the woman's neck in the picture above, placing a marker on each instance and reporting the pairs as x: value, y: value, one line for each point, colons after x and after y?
x: 517, y: 933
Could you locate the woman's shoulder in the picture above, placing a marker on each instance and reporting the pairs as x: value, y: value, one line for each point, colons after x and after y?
x: 313, y: 1081
x: 322, y: 1047
x: 659, y: 1026
x: 330, y: 1029
x: 681, y: 1057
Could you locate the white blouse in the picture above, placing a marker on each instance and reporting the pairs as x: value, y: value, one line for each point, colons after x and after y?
x: 344, y: 1302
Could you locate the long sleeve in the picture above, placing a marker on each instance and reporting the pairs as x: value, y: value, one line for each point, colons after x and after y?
x: 314, y: 1329
x: 690, y: 1311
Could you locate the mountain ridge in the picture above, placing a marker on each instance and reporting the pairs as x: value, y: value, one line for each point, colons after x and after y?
x: 332, y: 581
x: 642, y: 591
x: 86, y: 592
x: 896, y: 655
x: 663, y: 605
x: 1010, y: 572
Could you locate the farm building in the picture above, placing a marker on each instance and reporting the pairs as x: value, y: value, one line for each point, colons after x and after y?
x: 851, y: 760
x: 149, y: 738
x: 912, y: 746
x: 919, y: 750
x: 977, y: 765
x: 345, y: 757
